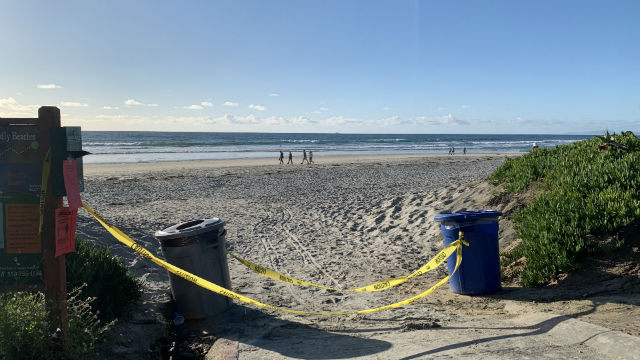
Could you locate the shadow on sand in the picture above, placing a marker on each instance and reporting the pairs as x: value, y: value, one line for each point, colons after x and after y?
x: 253, y: 329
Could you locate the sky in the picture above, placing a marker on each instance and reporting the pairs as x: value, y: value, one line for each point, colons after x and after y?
x: 498, y: 67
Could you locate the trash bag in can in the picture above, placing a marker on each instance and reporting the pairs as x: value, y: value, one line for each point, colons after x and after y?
x: 479, y: 272
x: 198, y: 247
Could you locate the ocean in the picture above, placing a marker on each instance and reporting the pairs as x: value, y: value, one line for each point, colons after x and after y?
x: 143, y: 146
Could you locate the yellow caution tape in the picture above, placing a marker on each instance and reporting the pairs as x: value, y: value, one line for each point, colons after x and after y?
x: 379, y: 286
x: 123, y: 238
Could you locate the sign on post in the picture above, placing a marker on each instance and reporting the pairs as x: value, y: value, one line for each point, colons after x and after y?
x: 23, y: 147
x: 31, y: 190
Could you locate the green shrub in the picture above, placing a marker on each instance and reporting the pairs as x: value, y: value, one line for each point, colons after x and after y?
x: 85, y: 328
x: 585, y: 191
x: 108, y: 281
x: 26, y: 329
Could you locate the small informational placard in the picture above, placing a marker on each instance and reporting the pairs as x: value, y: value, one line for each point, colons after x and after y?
x: 65, y: 230
x: 22, y: 223
x: 70, y: 172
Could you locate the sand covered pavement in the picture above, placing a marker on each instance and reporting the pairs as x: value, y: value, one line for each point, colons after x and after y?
x: 342, y: 222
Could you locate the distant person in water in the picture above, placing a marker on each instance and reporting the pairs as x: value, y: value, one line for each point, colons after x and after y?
x: 290, y: 158
x: 304, y: 157
x: 310, y: 156
x: 281, y: 158
x: 535, y: 146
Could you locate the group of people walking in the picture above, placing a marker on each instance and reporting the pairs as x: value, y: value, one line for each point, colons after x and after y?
x: 452, y: 150
x: 309, y: 160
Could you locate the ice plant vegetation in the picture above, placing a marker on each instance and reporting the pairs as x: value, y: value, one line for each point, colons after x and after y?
x: 587, y: 187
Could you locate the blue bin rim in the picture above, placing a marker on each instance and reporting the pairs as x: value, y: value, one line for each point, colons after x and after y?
x: 467, y: 215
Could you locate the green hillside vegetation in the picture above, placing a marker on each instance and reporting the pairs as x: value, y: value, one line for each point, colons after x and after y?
x: 587, y: 187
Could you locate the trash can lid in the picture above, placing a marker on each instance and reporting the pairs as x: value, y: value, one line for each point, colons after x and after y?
x: 468, y: 215
x: 189, y: 228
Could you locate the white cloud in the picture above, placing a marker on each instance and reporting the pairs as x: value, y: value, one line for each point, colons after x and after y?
x: 275, y: 120
x: 110, y: 107
x: 190, y: 120
x: 391, y: 121
x: 230, y: 103
x: 520, y: 121
x: 193, y: 107
x: 257, y: 107
x: 440, y: 108
x: 72, y: 104
x: 301, y: 120
x: 8, y: 103
x: 274, y: 94
x: 9, y: 107
x: 228, y: 119
x: 324, y: 109
x: 206, y: 103
x: 467, y: 106
x: 49, y: 86
x: 448, y: 119
x: 134, y: 102
x: 385, y: 108
x: 341, y: 120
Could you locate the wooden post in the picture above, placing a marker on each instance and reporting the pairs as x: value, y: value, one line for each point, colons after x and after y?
x: 54, y: 272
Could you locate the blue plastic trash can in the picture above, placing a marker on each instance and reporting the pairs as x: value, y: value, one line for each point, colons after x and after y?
x: 479, y: 272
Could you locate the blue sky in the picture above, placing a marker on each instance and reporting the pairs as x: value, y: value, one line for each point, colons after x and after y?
x: 325, y: 66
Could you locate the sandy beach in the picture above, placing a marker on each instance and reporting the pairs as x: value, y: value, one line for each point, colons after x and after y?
x: 342, y: 222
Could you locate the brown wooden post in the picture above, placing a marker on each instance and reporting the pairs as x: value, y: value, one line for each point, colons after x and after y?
x: 54, y: 272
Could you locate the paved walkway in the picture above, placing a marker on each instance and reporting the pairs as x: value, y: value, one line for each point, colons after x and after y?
x: 525, y: 336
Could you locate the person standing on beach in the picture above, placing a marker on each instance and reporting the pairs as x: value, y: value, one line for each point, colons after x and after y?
x: 464, y: 150
x: 310, y: 156
x: 281, y: 158
x: 304, y: 157
x: 290, y: 158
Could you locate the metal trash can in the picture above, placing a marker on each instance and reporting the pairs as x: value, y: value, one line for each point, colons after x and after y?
x: 198, y: 247
x: 479, y: 272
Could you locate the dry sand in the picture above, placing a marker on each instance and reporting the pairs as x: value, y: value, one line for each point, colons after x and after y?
x: 341, y: 222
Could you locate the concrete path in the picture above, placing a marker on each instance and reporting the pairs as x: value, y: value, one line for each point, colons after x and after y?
x: 523, y: 336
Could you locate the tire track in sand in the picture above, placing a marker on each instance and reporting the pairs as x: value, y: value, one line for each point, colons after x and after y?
x: 271, y: 250
x: 301, y: 249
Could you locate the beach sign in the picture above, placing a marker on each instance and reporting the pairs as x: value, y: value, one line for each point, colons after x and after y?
x: 21, y: 161
x: 31, y: 250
